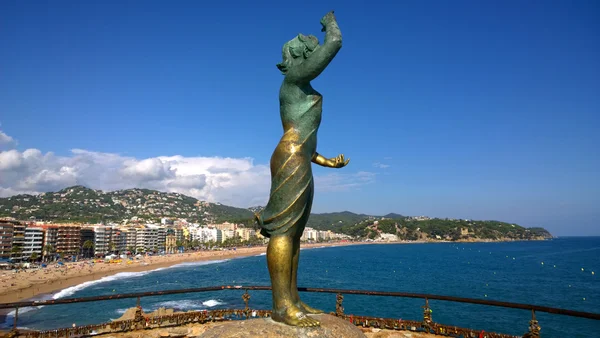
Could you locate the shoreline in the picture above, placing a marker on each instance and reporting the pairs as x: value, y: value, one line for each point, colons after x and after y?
x: 57, y: 280
x: 52, y: 280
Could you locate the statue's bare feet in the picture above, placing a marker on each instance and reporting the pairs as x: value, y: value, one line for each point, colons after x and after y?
x: 295, y: 317
x: 307, y: 309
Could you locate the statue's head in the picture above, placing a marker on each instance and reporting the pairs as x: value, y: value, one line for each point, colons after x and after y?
x: 296, y: 51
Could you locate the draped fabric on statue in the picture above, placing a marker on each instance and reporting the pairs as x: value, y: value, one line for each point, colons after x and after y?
x: 292, y: 186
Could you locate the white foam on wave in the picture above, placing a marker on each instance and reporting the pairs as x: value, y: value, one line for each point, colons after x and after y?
x: 181, y: 304
x: 261, y: 254
x: 125, y: 275
x: 198, y: 263
x: 211, y: 303
x: 121, y: 275
x: 187, y: 304
x: 122, y: 311
x: 9, y: 319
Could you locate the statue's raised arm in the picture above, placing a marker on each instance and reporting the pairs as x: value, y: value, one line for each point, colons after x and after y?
x: 316, y: 57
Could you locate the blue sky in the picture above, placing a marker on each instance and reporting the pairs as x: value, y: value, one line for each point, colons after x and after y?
x: 465, y: 109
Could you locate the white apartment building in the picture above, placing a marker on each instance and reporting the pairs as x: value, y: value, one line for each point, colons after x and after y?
x: 33, y: 242
x: 310, y: 234
x: 130, y: 238
x: 150, y: 238
x: 119, y: 240
x: 205, y: 235
x: 224, y: 226
x: 228, y: 234
x: 102, y: 240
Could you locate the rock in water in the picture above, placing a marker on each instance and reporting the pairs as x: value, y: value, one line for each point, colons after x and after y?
x: 331, y: 327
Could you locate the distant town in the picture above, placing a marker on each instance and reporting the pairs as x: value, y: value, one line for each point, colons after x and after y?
x: 78, y: 222
x: 26, y: 241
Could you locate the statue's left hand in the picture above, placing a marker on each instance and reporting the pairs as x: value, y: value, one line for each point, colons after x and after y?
x: 339, y: 161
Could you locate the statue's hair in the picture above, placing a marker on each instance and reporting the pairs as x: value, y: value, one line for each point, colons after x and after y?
x: 291, y: 51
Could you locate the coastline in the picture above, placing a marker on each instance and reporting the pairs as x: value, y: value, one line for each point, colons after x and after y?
x: 49, y: 281
x: 27, y: 285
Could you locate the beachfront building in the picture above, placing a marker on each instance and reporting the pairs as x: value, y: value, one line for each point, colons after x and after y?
x: 205, y: 235
x: 130, y: 238
x: 310, y: 234
x: 87, y: 241
x: 150, y: 238
x: 223, y: 226
x: 102, y: 239
x: 227, y: 234
x: 118, y: 241
x: 170, y: 241
x: 50, y: 240
x: 187, y: 234
x: 6, y: 236
x: 32, y: 245
x: 245, y: 233
x: 69, y: 237
x: 161, y: 234
x: 179, y: 233
x: 62, y: 239
x: 18, y: 240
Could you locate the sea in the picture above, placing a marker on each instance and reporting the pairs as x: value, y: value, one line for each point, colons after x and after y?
x: 562, y: 272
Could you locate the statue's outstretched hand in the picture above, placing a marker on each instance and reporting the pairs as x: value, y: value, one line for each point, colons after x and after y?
x: 329, y: 17
x: 339, y: 161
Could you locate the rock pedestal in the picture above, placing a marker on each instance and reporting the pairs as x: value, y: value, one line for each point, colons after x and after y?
x: 331, y: 327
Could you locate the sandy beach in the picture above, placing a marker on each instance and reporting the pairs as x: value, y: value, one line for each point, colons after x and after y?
x: 16, y: 286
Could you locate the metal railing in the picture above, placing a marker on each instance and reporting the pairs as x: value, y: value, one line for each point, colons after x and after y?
x: 144, y: 321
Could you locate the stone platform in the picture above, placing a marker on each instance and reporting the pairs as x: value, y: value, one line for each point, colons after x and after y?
x: 331, y: 327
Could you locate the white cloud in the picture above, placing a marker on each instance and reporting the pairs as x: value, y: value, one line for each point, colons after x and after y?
x: 381, y: 165
x: 343, y: 182
x: 6, y: 141
x: 231, y: 181
x: 10, y: 160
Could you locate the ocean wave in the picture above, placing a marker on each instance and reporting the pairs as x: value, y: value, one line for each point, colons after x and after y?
x: 122, y: 311
x: 121, y: 275
x: 261, y: 254
x: 124, y: 275
x: 186, y: 305
x: 180, y: 305
x: 9, y: 319
x: 211, y: 303
x: 198, y: 263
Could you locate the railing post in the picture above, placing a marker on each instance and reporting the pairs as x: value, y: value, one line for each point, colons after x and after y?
x: 14, y: 333
x: 16, y: 318
x: 246, y: 298
x: 427, y: 321
x: 138, y: 319
x: 534, y: 327
x: 339, y: 309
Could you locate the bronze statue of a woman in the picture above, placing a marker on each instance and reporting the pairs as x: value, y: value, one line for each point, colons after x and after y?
x: 285, y: 216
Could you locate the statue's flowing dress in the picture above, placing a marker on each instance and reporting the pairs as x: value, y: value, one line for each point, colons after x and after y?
x: 292, y: 186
